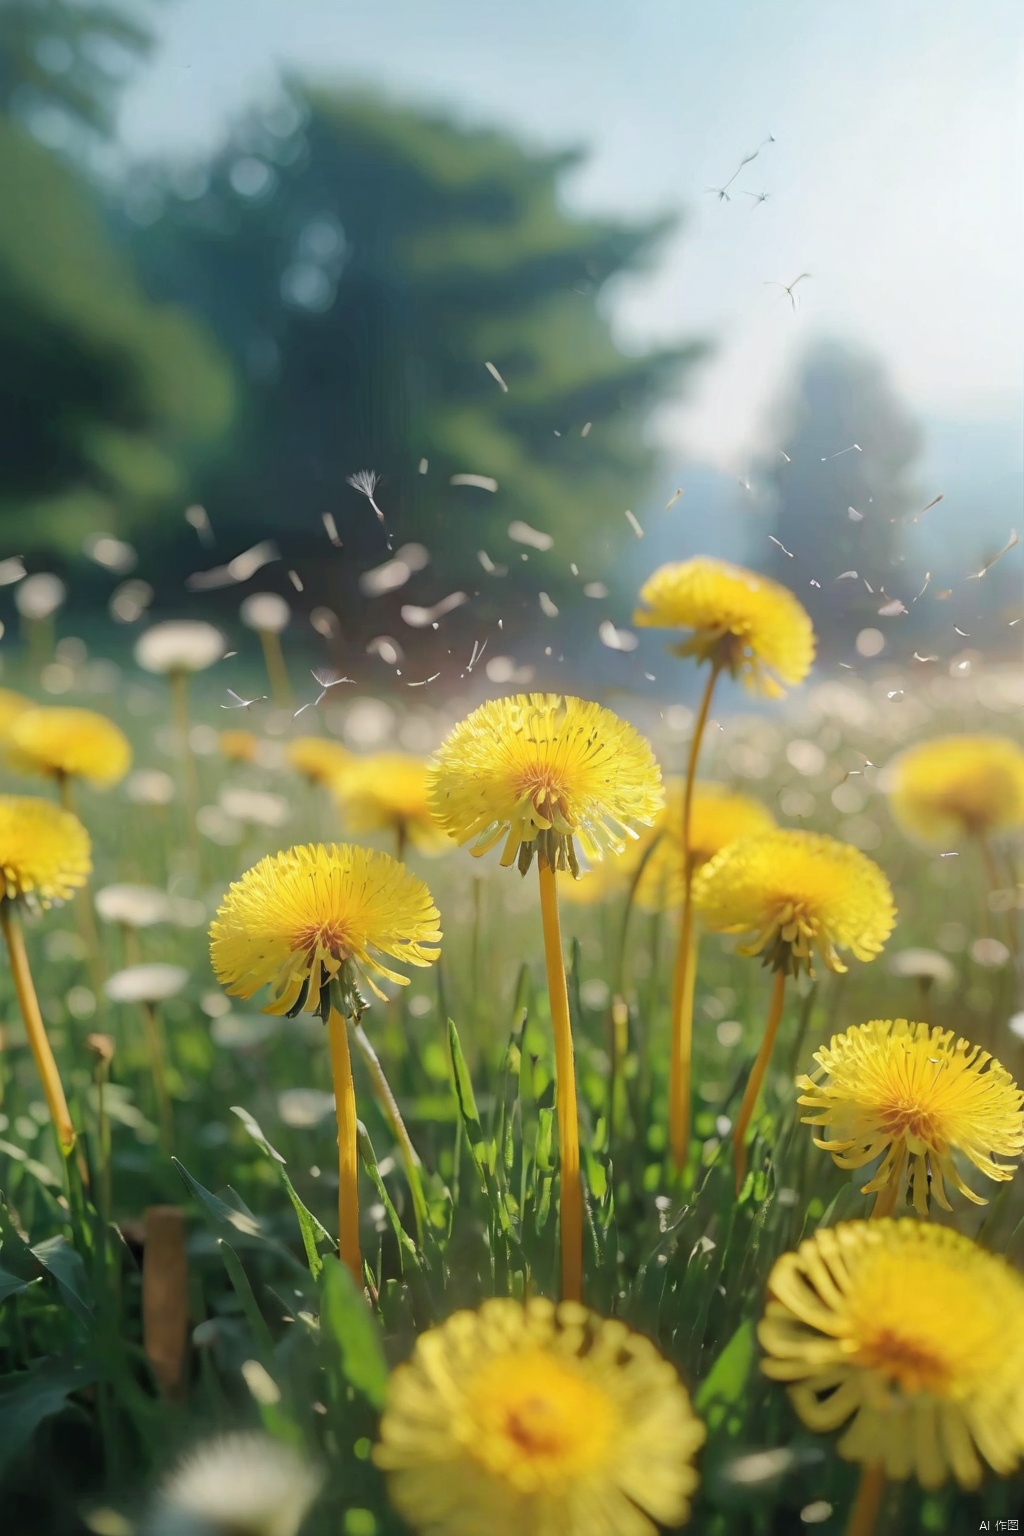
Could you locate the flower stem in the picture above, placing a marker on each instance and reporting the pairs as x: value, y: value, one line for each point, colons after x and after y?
x: 389, y: 1104
x: 155, y: 1040
x: 565, y: 1090
x: 277, y: 672
x: 39, y: 1044
x: 864, y: 1514
x: 348, y: 1151
x: 756, y: 1077
x: 682, y: 976
x: 190, y: 775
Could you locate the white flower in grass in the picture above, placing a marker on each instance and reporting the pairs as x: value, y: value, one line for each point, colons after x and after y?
x: 179, y: 645
x: 254, y: 807
x: 265, y: 612
x: 136, y: 906
x: 238, y: 1485
x: 150, y: 786
x: 154, y: 982
x: 39, y: 596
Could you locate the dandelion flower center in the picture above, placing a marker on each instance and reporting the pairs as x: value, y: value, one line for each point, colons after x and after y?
x: 538, y: 1420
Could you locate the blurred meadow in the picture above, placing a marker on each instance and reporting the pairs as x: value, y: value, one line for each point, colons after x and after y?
x: 353, y: 386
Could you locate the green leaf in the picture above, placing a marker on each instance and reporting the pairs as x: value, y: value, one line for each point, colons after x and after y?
x: 723, y: 1388
x: 236, y: 1218
x: 478, y: 1147
x: 60, y: 1260
x: 347, y: 1322
x: 29, y: 1397
x: 244, y: 1291
x: 312, y: 1231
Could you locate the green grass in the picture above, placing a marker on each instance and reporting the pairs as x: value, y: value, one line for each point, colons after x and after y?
x: 83, y: 1428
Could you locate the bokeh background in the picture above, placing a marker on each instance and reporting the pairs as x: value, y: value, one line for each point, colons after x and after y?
x: 249, y: 248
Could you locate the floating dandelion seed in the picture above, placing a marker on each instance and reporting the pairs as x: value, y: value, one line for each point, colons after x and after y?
x: 854, y: 515
x: 848, y: 576
x: 892, y: 608
x: 366, y: 481
x: 326, y: 679
x: 585, y: 432
x: 853, y: 448
x: 11, y: 570
x: 197, y: 518
x: 1011, y: 543
x: 617, y: 639
x: 237, y: 702
x: 773, y: 540
x: 634, y: 524
x: 296, y: 581
x: 496, y: 376
x: 677, y: 493
x: 933, y: 503
x: 521, y: 533
x: 419, y: 618
x: 331, y: 528
x: 481, y: 482
x: 424, y: 466
x: 788, y: 288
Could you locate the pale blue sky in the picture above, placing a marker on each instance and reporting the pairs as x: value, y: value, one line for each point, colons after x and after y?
x: 896, y: 178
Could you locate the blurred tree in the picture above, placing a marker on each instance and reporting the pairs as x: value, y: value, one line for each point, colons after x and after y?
x: 104, y: 397
x: 65, y: 59
x: 363, y: 264
x: 841, y: 493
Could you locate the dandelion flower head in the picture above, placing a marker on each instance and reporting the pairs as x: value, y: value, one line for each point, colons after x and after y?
x: 69, y: 743
x: 795, y: 893
x: 535, y: 1418
x: 910, y: 1092
x: 179, y: 645
x: 44, y: 851
x: 912, y: 1337
x: 239, y: 746
x: 746, y: 623
x: 11, y: 706
x: 388, y: 793
x: 317, y: 915
x: 318, y: 758
x: 718, y: 817
x: 542, y: 770
x: 955, y: 787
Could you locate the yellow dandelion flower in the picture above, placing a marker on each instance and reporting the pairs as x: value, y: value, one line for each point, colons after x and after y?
x: 797, y: 892
x: 906, y: 1090
x: 301, y: 919
x: 318, y: 758
x: 11, y: 706
x: 239, y: 746
x: 541, y: 770
x: 388, y: 793
x: 44, y: 851
x: 912, y: 1337
x: 956, y: 787
x: 538, y: 1419
x: 719, y: 816
x: 746, y: 624
x: 69, y: 744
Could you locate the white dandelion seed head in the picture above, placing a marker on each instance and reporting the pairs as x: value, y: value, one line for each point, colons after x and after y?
x: 38, y: 596
x: 242, y: 1484
x: 266, y: 611
x: 179, y: 645
x: 151, y: 983
x: 254, y: 807
x: 365, y: 481
x: 150, y: 786
x: 136, y: 906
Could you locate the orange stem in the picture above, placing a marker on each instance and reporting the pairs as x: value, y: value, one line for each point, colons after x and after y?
x: 565, y: 1091
x: 683, y: 976
x: 348, y: 1152
x: 756, y: 1077
x: 28, y: 1002
x: 866, y: 1506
